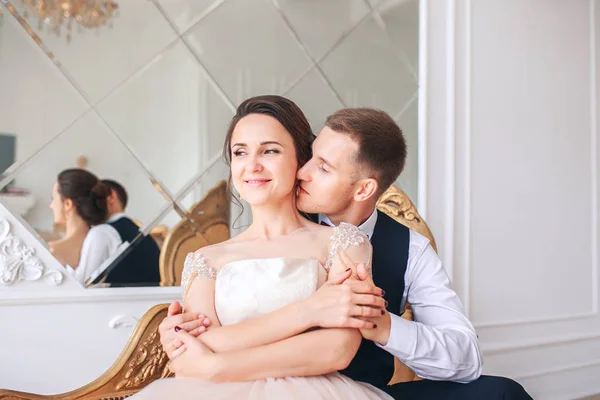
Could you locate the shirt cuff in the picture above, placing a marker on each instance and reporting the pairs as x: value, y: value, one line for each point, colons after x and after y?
x: 403, y: 338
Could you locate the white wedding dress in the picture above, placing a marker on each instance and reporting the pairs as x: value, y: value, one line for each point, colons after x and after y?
x: 248, y: 288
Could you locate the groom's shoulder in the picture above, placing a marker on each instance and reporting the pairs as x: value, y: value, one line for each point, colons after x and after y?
x: 388, y: 224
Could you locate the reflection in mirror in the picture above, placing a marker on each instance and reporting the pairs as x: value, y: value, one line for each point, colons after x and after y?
x: 146, y: 103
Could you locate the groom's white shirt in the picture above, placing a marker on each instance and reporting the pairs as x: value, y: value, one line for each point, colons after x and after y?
x: 441, y: 343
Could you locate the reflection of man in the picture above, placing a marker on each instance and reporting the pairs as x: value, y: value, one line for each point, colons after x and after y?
x: 139, y: 262
x: 356, y: 157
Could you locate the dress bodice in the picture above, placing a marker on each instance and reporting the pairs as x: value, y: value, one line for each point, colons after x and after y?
x: 252, y: 286
x: 247, y: 289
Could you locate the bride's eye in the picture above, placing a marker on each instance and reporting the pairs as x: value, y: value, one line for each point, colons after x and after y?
x: 322, y: 168
x: 272, y: 151
x: 238, y: 153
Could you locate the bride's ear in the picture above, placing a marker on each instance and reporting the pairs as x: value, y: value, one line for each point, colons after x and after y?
x: 366, y: 189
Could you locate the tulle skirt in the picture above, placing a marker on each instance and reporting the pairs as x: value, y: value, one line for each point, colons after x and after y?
x: 332, y: 386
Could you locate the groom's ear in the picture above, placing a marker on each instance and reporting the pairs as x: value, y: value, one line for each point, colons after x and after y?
x: 366, y: 189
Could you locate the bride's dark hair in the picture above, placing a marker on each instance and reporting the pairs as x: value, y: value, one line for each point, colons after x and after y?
x: 86, y: 192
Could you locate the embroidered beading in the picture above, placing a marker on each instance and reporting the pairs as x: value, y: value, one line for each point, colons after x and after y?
x: 195, y: 265
x: 344, y: 236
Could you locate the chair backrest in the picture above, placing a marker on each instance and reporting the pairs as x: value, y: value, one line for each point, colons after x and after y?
x: 396, y: 204
x: 210, y: 225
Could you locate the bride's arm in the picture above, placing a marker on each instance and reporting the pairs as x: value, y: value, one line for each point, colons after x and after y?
x: 277, y: 325
x: 313, y: 353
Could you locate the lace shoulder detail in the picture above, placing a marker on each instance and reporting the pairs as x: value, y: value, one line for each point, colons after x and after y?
x: 344, y: 236
x: 194, y: 266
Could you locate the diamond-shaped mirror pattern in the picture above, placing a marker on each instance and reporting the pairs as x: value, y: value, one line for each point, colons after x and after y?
x: 163, y: 114
x: 147, y: 98
x: 335, y: 18
x: 99, y: 60
x: 249, y: 49
x: 36, y: 100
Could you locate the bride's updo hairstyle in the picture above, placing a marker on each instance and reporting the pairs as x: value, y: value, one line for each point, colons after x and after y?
x: 87, y: 193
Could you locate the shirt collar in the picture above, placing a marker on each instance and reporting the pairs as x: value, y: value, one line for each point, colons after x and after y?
x: 368, y: 227
x: 115, y: 216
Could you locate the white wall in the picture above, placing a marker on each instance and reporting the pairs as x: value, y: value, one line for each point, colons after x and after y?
x: 512, y: 182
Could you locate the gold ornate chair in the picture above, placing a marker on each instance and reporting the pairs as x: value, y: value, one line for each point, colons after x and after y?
x: 206, y: 223
x: 142, y: 361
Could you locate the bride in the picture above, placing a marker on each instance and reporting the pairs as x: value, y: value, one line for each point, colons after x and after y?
x: 282, y: 258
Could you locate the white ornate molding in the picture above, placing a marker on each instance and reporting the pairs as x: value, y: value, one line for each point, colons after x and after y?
x: 18, y: 261
x: 122, y: 321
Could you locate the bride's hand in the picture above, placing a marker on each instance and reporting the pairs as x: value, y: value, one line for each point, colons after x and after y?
x: 192, y: 323
x: 196, y: 360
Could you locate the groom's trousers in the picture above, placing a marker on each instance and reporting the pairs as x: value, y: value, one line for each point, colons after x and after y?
x: 484, y: 388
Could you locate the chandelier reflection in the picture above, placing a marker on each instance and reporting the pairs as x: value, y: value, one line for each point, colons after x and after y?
x: 57, y: 13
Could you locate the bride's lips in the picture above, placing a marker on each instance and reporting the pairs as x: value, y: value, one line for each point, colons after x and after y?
x: 303, y: 191
x: 256, y: 182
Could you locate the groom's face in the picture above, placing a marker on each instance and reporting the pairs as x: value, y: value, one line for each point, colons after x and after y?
x: 327, y: 179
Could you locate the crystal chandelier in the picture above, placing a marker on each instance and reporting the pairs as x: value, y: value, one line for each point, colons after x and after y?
x: 56, y: 13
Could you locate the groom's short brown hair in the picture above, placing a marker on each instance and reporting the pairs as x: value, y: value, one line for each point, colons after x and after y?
x: 381, y: 144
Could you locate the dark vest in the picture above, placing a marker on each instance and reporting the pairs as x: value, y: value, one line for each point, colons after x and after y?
x: 138, y: 264
x: 390, y: 242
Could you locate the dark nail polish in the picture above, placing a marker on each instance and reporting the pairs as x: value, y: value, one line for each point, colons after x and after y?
x: 382, y: 312
x: 386, y: 303
x: 348, y: 269
x: 382, y: 292
x: 374, y: 326
x: 177, y: 329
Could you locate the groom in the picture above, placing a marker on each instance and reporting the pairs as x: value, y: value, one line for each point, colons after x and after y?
x: 356, y: 157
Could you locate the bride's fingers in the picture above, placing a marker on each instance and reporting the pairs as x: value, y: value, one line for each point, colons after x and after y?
x: 345, y: 259
x: 362, y: 271
x: 198, y: 331
x: 340, y: 256
x: 340, y: 277
x: 177, y: 352
x: 193, y: 325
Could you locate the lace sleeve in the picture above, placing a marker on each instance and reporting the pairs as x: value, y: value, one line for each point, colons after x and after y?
x: 344, y: 236
x: 194, y: 266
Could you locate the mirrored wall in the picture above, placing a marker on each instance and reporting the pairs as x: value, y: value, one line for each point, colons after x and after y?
x: 145, y: 98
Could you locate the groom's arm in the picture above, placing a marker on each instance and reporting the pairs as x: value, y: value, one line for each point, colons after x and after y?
x: 441, y: 343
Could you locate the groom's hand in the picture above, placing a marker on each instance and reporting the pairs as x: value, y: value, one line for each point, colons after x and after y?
x: 344, y: 302
x: 194, y: 324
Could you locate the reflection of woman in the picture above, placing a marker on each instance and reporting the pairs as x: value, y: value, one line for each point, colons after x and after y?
x: 79, y: 202
x: 280, y: 259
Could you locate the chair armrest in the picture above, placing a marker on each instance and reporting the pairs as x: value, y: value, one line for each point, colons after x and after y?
x: 139, y: 364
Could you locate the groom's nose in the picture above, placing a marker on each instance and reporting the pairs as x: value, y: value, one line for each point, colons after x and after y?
x: 303, y: 174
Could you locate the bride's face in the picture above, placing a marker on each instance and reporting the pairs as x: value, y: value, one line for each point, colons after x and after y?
x: 263, y: 160
x: 57, y: 205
